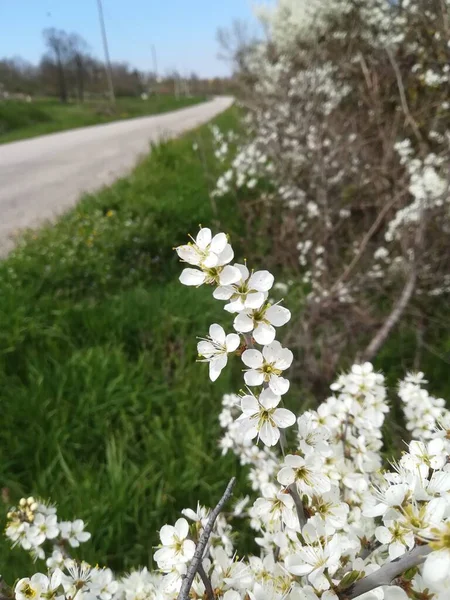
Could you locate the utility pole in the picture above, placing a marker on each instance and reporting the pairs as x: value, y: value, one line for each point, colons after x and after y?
x: 155, y: 68
x: 155, y: 61
x: 108, y: 71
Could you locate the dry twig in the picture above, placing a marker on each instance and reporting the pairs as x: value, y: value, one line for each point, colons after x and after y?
x: 199, y: 550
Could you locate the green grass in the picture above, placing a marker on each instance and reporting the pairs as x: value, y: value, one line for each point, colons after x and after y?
x: 104, y: 407
x: 20, y: 120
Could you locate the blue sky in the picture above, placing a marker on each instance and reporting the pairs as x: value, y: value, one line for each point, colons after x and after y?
x: 183, y: 31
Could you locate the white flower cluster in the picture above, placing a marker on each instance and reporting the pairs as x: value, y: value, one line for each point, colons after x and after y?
x: 33, y: 522
x: 428, y: 188
x: 248, y: 167
x: 313, y: 148
x: 222, y: 142
x: 336, y: 471
x: 67, y: 581
x: 316, y: 519
x: 330, y: 523
x: 424, y: 414
x: 246, y: 296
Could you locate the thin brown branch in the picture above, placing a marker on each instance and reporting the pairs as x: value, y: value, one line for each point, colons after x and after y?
x: 206, y: 582
x: 401, y: 88
x: 393, y: 318
x: 365, y: 241
x: 199, y: 550
x: 249, y: 340
x: 369, y: 549
x: 387, y: 573
x: 292, y: 489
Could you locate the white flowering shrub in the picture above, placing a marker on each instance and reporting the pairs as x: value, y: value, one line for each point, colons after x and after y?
x: 332, y: 520
x: 348, y: 141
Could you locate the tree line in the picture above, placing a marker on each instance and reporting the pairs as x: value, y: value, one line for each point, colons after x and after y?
x: 68, y: 70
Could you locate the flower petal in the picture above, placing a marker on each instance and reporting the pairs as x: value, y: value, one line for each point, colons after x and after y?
x: 252, y: 378
x: 286, y: 476
x: 383, y: 535
x: 211, y: 260
x: 254, y: 300
x: 229, y: 275
x: 295, y: 564
x: 396, y: 494
x: 284, y: 360
x: 40, y: 580
x: 232, y: 342
x: 278, y: 315
x: 436, y: 567
x: 226, y: 255
x: 395, y: 593
x: 218, y: 243
x: 188, y: 254
x: 272, y: 352
x: 261, y: 281
x: 243, y: 323
x: 264, y: 334
x: 243, y: 271
x: 278, y: 385
x: 223, y: 292
x: 181, y: 528
x: 166, y: 535
x: 250, y: 429
x: 249, y: 405
x: 188, y: 549
x: 192, y: 277
x: 269, y: 434
x: 253, y: 359
x: 203, y: 238
x: 217, y: 334
x: 283, y: 417
x: 206, y: 349
x: 216, y: 365
x: 268, y: 399
x: 235, y: 306
x: 56, y: 578
x: 396, y: 549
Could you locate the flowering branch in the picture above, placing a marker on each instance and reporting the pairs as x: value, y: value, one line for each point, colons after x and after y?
x: 292, y: 489
x: 199, y: 550
x: 387, y: 573
x: 318, y: 505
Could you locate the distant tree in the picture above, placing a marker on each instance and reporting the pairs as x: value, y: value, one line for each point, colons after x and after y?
x: 57, y: 42
x: 68, y: 54
x: 234, y: 42
x: 127, y: 81
x: 18, y: 76
x: 79, y: 57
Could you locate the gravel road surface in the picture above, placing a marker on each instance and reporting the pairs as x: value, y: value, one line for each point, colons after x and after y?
x: 42, y: 177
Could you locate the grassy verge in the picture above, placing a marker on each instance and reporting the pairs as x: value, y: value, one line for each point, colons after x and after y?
x: 20, y: 120
x: 104, y: 409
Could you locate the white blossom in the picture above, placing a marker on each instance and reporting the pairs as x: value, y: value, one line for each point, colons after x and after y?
x: 267, y: 367
x: 262, y: 418
x: 215, y: 349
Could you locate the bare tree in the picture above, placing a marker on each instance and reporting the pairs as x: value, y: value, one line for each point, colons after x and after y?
x: 234, y: 42
x: 78, y: 51
x: 58, y: 44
